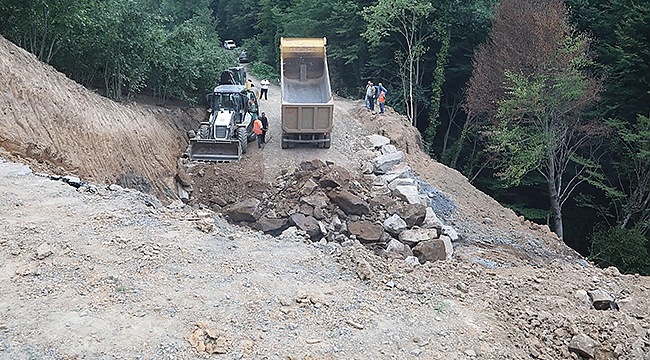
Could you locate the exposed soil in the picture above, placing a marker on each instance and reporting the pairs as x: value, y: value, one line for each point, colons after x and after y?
x: 100, y: 271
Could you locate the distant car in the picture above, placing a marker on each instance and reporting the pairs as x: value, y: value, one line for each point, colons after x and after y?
x: 229, y: 44
x: 243, y: 57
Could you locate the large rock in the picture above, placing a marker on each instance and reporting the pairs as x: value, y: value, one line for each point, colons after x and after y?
x: 271, y: 226
x: 308, y: 187
x: 412, y: 237
x: 583, y: 345
x: 377, y: 141
x: 366, y: 231
x: 308, y: 224
x: 413, y: 214
x: 433, y: 250
x: 348, y: 202
x: 311, y: 165
x: 317, y: 200
x: 431, y: 220
x: 385, y: 163
x: 335, y: 177
x: 408, y: 193
x: 247, y: 210
x: 394, y: 225
x: 601, y: 300
x: 400, y: 182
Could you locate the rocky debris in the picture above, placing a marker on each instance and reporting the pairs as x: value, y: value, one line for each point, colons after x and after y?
x: 388, y: 209
x: 44, y: 250
x: 247, y: 210
x: 601, y: 300
x: 205, y: 338
x: 583, y: 345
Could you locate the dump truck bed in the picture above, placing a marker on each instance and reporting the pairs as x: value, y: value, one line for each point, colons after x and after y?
x: 307, y: 103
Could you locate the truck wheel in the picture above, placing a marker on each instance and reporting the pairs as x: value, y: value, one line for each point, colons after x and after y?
x: 327, y: 144
x: 204, y: 132
x: 284, y: 144
x: 243, y: 141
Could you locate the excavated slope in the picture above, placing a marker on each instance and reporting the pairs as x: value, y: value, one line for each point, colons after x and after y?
x: 68, y: 129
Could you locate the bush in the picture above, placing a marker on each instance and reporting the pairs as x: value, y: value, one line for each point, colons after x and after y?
x: 627, y: 249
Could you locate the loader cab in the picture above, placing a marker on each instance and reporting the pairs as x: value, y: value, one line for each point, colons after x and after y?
x: 232, y: 99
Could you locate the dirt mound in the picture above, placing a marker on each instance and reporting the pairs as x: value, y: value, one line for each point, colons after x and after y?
x: 60, y: 127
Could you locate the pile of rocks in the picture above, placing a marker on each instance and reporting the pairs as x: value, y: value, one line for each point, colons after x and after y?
x: 384, y: 205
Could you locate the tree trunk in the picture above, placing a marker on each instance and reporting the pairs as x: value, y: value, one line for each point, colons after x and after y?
x: 553, y: 190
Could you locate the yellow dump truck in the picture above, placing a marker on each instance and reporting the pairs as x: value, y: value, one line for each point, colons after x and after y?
x: 307, y: 104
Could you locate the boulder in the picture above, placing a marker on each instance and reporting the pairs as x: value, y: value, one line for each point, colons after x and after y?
x: 601, y: 300
x: 377, y: 141
x: 413, y: 214
x: 317, y: 200
x: 348, y: 202
x: 451, y: 232
x: 400, y: 171
x: 400, y: 182
x: 388, y: 149
x: 308, y: 187
x: 431, y: 220
x: 412, y: 237
x: 271, y: 226
x: 407, y: 193
x: 583, y: 345
x: 385, y: 163
x: 433, y: 250
x: 394, y: 225
x: 366, y: 231
x: 44, y: 250
x: 335, y: 177
x: 247, y: 210
x: 307, y: 224
x: 311, y: 165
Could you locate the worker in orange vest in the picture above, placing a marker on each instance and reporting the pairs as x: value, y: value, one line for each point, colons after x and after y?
x: 257, y: 129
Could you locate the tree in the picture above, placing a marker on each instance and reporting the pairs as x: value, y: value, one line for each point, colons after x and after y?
x: 410, y: 20
x: 531, y: 83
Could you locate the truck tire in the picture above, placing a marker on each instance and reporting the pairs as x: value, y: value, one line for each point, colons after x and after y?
x: 327, y: 144
x: 243, y: 141
x: 204, y: 132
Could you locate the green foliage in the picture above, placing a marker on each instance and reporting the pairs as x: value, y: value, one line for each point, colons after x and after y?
x: 627, y: 249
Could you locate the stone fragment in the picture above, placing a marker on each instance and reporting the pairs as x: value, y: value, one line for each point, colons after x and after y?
x: 377, y: 141
x: 44, y: 250
x: 432, y: 250
x: 182, y: 178
x: 308, y: 187
x: 400, y: 182
x: 583, y: 345
x: 366, y: 231
x: 348, y: 202
x: 335, y: 177
x: 387, y: 162
x: 412, y: 237
x: 412, y: 260
x: 311, y: 165
x: 364, y: 271
x: 407, y: 193
x: 601, y: 300
x: 271, y: 226
x: 413, y: 214
x: 451, y: 232
x: 307, y: 224
x: 394, y: 225
x: 431, y: 220
x: 316, y: 200
x: 247, y: 210
x: 388, y: 149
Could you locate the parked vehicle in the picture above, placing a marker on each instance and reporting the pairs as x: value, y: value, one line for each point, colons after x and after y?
x: 307, y: 103
x: 243, y: 57
x: 229, y: 44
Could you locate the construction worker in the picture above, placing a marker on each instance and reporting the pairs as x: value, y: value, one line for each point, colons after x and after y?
x: 257, y: 129
x: 265, y: 126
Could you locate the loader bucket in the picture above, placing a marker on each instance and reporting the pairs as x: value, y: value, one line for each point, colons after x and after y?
x: 215, y: 150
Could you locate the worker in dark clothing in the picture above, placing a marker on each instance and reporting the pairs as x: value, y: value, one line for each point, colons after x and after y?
x: 265, y: 127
